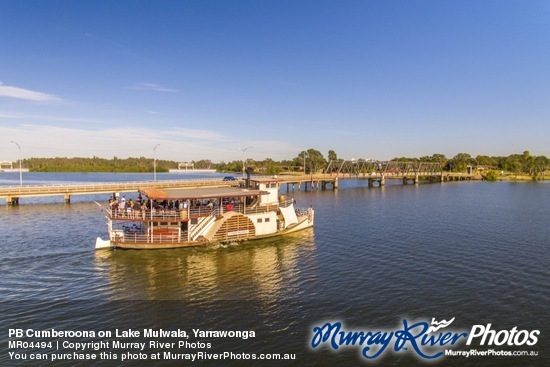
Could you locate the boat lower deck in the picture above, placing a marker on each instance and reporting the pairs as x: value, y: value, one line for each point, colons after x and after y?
x: 169, y: 238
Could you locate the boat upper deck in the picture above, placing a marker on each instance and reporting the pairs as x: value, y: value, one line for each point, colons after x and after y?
x: 196, y: 210
x: 199, y: 193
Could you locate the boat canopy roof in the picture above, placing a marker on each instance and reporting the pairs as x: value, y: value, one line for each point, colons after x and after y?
x: 199, y: 193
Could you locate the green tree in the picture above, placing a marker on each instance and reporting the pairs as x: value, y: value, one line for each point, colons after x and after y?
x: 528, y: 163
x: 313, y: 160
x: 460, y: 161
x: 270, y: 167
x: 541, y: 162
x: 511, y: 164
x: 492, y: 176
x: 203, y: 164
x: 439, y: 158
x: 301, y: 160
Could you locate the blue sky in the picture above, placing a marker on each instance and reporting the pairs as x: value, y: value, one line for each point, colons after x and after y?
x: 205, y: 79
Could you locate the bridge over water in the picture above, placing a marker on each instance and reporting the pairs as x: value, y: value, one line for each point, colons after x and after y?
x: 376, y: 172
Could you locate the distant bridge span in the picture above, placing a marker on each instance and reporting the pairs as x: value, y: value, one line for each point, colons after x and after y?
x: 394, y: 168
x: 373, y: 171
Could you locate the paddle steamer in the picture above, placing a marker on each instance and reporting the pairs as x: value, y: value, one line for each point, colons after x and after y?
x: 172, y: 218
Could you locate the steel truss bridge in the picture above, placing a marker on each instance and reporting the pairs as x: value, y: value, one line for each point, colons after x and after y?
x: 379, y: 171
x: 383, y: 168
x: 373, y: 171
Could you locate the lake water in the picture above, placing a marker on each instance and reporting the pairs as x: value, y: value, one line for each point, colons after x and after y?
x: 475, y: 251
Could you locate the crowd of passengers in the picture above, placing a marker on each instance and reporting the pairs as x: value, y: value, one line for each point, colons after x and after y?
x: 139, y: 205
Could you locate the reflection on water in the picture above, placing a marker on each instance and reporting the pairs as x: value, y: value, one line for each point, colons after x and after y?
x: 263, y: 269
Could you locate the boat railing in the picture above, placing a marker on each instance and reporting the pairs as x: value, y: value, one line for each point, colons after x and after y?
x: 200, y: 211
x: 303, y: 212
x: 158, y: 236
x: 200, y: 226
x: 167, y: 215
x: 286, y: 202
x: 163, y: 215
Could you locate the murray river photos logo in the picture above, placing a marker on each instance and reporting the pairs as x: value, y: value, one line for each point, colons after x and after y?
x: 425, y: 340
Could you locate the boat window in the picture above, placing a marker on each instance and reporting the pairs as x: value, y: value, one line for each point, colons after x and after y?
x: 266, y: 220
x: 259, y: 220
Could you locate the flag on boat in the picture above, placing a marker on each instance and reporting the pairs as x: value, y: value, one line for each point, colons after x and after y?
x: 100, y: 207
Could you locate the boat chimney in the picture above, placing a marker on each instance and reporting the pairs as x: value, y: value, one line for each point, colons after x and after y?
x: 249, y: 171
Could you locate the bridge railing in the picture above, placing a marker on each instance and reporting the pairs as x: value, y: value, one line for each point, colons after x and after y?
x: 103, y: 187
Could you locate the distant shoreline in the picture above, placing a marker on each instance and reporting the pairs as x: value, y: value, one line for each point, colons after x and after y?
x: 507, y: 176
x: 192, y: 171
x: 10, y: 170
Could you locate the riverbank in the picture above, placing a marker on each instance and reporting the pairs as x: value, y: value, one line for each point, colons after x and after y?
x: 513, y: 177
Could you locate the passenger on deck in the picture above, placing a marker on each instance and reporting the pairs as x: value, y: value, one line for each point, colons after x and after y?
x: 114, y: 207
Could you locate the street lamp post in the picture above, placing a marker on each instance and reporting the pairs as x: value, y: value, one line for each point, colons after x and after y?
x: 20, y: 170
x: 155, y: 162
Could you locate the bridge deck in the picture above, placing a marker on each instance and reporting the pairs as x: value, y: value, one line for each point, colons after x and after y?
x: 16, y: 192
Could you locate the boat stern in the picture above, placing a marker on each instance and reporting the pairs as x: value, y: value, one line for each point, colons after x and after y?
x: 101, y: 244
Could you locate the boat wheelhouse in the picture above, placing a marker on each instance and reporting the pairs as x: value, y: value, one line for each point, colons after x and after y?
x: 172, y: 218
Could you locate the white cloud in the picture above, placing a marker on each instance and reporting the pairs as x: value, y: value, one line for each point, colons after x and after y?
x: 30, y: 95
x: 176, y: 144
x: 25, y: 116
x: 151, y: 87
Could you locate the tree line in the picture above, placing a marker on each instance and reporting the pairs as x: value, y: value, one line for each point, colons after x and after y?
x: 312, y: 160
x: 308, y: 161
x: 96, y: 164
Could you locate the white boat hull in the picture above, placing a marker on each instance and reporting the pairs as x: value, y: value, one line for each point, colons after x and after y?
x: 100, y: 244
